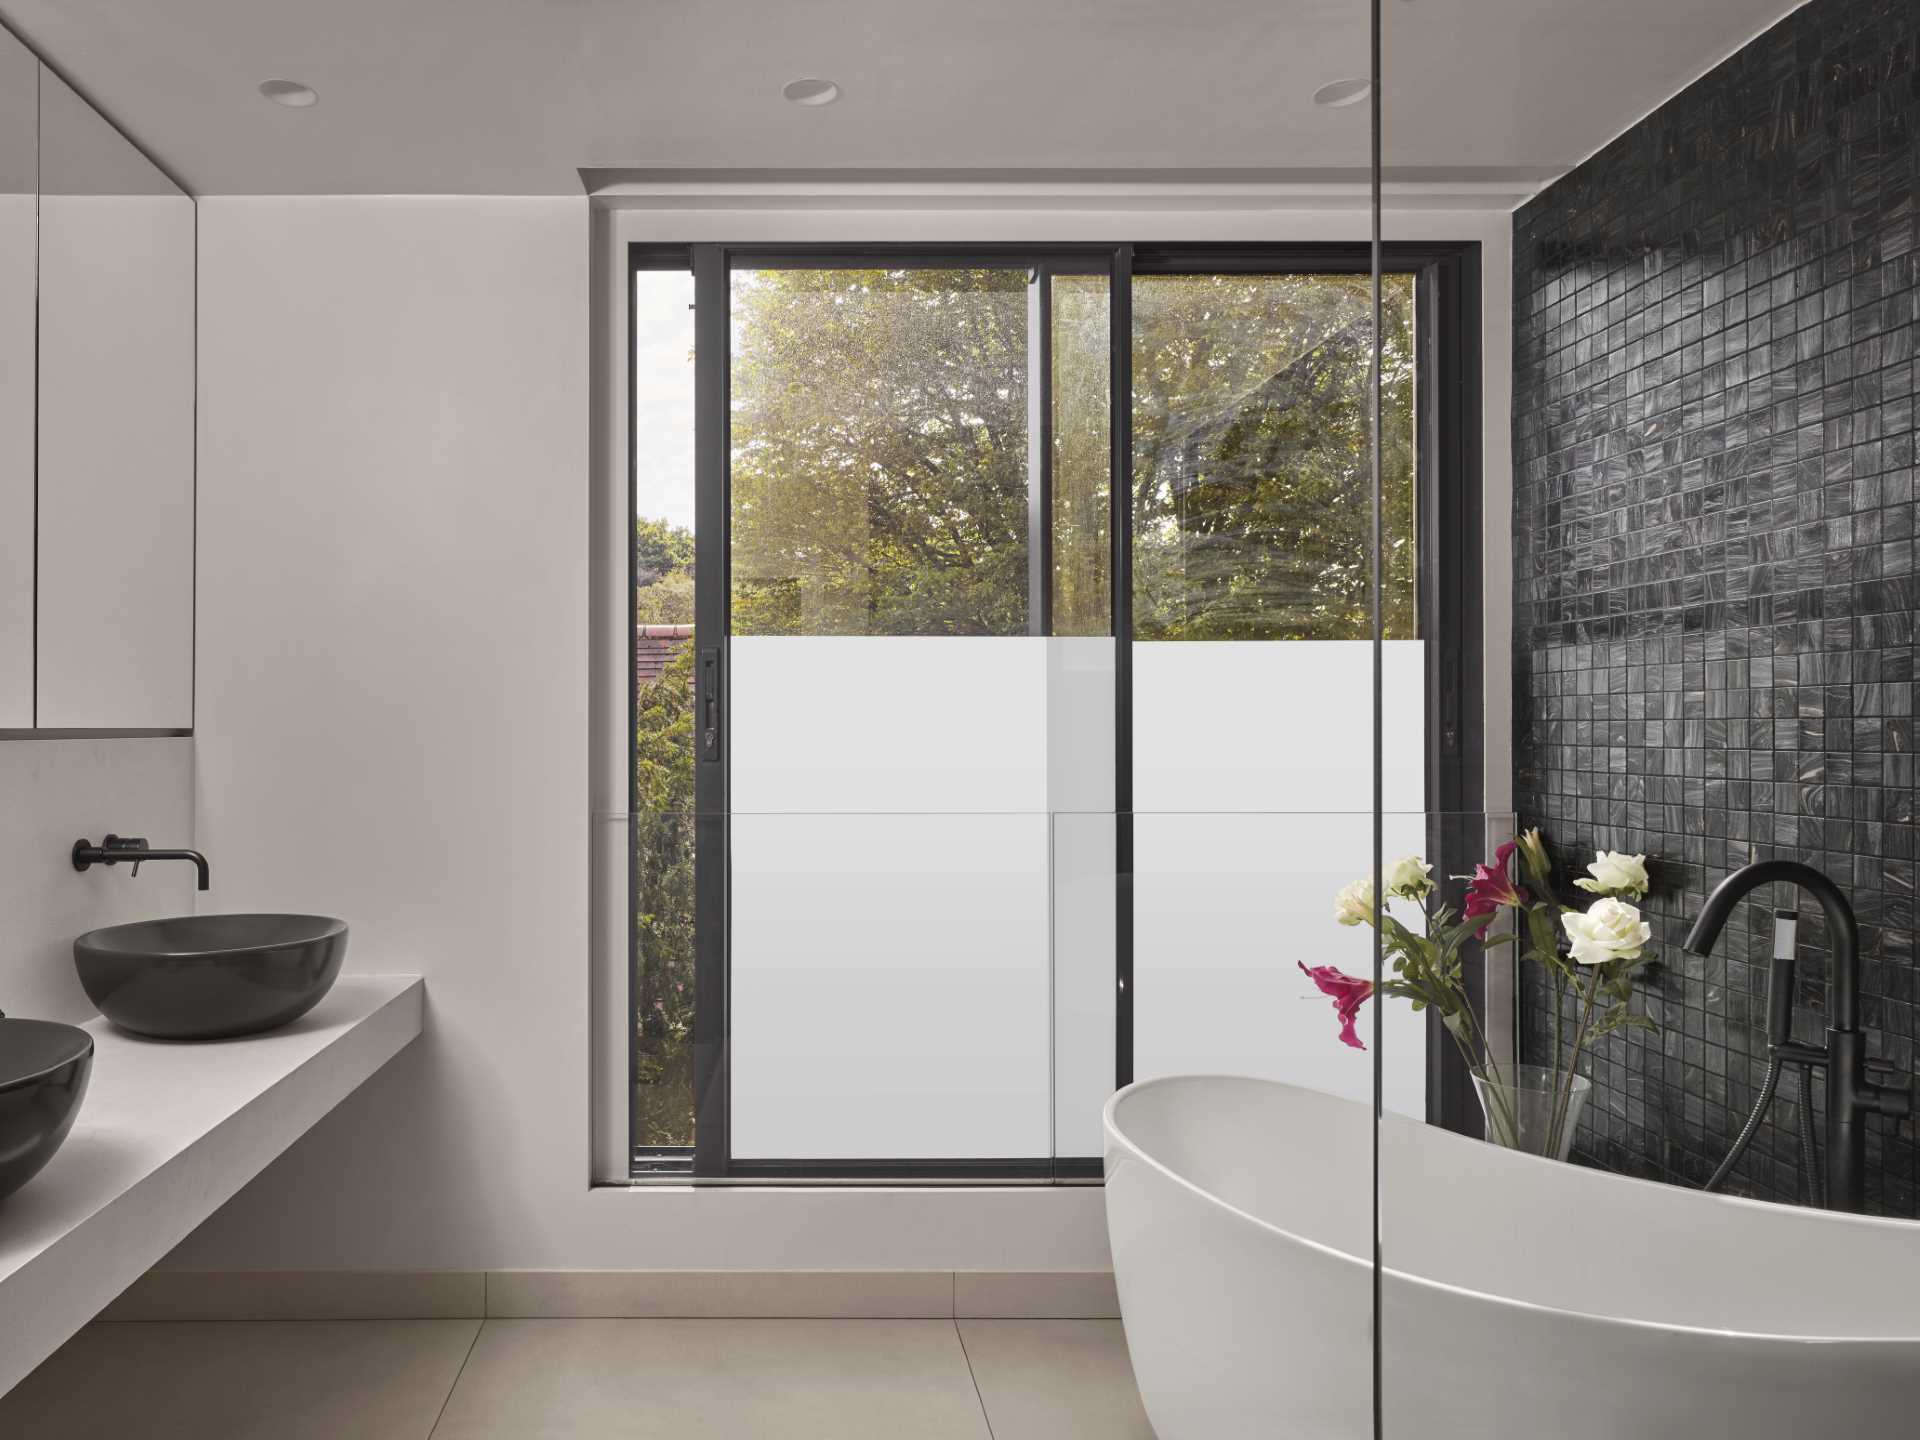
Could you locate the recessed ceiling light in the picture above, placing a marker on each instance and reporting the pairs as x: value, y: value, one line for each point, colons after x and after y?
x: 1342, y: 93
x: 290, y: 93
x: 811, y: 91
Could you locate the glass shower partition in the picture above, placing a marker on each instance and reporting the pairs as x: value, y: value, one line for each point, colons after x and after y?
x: 1699, y: 306
x: 999, y: 746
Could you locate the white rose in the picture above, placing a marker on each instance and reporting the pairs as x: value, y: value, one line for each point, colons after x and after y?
x: 1610, y: 930
x: 1354, y: 905
x: 1616, y: 874
x: 1407, y: 878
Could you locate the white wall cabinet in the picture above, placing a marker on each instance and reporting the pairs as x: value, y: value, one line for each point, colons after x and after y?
x: 19, y: 196
x: 114, y: 634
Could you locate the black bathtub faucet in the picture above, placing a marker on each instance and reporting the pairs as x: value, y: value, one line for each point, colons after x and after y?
x: 115, y: 848
x: 1851, y: 1097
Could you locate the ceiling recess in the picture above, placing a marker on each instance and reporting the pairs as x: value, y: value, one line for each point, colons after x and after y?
x: 290, y: 93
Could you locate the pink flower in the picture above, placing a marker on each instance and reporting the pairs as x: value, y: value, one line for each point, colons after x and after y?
x: 1491, y: 887
x: 1349, y: 993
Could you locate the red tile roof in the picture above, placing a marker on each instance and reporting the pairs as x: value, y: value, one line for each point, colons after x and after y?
x: 653, y: 647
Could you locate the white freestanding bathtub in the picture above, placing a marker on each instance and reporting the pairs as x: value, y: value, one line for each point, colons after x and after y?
x: 1522, y: 1299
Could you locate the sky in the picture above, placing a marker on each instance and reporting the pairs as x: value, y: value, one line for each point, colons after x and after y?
x: 663, y: 396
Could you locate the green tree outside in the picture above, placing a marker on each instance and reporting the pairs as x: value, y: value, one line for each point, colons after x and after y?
x: 663, y: 848
x: 880, y: 454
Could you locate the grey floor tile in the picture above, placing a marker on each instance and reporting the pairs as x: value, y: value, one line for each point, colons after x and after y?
x: 718, y: 1379
x: 1055, y: 1379
x: 1067, y: 1295
x: 243, y: 1380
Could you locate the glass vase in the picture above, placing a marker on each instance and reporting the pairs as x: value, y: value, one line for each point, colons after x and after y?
x: 1532, y: 1108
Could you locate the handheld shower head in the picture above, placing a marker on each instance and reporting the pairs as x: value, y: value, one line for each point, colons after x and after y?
x: 1786, y: 927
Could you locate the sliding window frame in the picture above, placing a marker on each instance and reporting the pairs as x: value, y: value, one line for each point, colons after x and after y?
x: 1448, y: 471
x: 646, y: 1161
x: 713, y: 266
x: 1448, y: 467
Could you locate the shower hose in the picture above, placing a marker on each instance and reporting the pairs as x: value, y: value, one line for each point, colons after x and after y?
x: 1786, y: 925
x: 1809, y: 1154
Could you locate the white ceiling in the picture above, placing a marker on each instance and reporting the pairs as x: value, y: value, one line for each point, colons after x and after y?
x: 518, y: 96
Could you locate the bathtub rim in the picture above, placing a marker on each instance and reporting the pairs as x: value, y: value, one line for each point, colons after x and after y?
x: 1115, y: 1136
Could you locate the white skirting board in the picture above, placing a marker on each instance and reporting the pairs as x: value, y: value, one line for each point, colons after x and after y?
x: 598, y: 1294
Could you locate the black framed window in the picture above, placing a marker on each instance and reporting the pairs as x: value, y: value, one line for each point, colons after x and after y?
x: 910, y: 440
x: 662, y: 495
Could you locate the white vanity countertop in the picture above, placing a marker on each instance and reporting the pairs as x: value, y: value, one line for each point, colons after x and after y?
x: 167, y: 1134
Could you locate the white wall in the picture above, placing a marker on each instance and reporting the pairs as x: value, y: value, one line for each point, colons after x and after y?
x: 392, y: 669
x: 52, y: 793
x: 393, y: 712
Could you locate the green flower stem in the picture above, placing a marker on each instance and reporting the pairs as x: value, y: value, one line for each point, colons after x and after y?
x: 1506, y: 1128
x: 1488, y: 1065
x: 1563, y: 1100
x: 1559, y: 1004
x: 1504, y: 1121
x: 1486, y: 1051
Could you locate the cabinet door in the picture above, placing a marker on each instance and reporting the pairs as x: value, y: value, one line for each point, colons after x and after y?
x: 19, y: 160
x: 116, y: 429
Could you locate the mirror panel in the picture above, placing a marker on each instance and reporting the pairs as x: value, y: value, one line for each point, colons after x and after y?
x: 116, y: 495
x: 19, y: 183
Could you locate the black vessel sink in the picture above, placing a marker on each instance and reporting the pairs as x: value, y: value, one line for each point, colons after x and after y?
x: 209, y: 977
x: 43, y: 1075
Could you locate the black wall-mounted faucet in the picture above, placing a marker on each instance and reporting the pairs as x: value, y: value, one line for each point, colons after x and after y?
x: 115, y: 848
x: 1851, y: 1097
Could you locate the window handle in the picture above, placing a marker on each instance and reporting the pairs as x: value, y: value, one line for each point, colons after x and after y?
x: 709, y: 702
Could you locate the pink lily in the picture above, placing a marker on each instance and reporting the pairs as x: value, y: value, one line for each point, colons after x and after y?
x: 1349, y: 993
x: 1491, y: 887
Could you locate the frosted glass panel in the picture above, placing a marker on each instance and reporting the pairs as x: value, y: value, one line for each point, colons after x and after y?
x: 889, y: 723
x: 922, y: 891
x: 1083, y: 978
x: 1282, y: 725
x: 1226, y: 907
x: 1253, y: 783
x: 1080, y: 702
x: 1080, y: 759
x: 890, y: 986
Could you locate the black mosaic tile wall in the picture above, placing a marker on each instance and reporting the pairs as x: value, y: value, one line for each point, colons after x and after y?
x: 1714, y: 593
